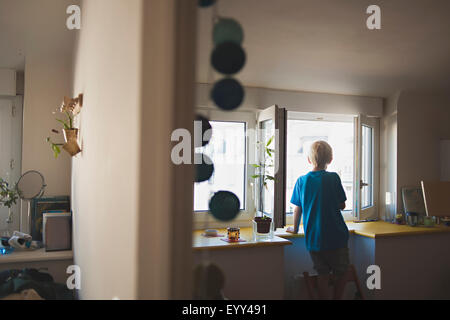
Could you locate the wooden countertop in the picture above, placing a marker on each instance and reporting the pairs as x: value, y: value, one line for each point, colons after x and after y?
x: 36, y: 255
x: 375, y: 230
x: 214, y: 243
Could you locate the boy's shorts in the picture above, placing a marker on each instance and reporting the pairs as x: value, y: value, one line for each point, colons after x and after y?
x: 336, y: 261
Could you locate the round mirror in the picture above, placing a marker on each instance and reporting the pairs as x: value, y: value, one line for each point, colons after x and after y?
x: 31, y: 185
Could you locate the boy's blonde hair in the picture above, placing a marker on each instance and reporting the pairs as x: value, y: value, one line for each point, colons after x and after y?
x: 320, y: 154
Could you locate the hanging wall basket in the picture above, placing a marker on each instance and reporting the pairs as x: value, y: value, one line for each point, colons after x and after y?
x: 71, y: 139
x: 70, y: 108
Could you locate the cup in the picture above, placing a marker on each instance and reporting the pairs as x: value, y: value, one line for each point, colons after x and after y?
x: 234, y: 234
x: 428, y: 221
x: 412, y: 219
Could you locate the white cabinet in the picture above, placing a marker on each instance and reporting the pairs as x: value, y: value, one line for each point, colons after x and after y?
x: 11, y: 116
x: 7, y: 82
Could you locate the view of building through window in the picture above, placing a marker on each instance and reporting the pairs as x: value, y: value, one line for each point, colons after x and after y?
x: 227, y: 151
x: 301, y: 134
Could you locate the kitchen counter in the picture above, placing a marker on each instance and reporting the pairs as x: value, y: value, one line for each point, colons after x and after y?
x: 375, y: 230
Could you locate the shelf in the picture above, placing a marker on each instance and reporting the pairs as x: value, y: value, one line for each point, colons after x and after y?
x: 35, y: 256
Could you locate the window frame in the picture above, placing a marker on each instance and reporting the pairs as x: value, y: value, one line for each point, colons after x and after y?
x: 202, y: 219
x: 278, y: 116
x: 370, y: 212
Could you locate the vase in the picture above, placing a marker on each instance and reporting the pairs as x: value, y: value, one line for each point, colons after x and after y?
x: 71, y: 139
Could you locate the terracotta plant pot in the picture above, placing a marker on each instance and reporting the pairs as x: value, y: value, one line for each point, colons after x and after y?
x: 71, y: 138
x: 263, y: 225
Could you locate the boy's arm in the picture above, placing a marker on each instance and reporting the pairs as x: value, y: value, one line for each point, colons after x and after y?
x: 297, y: 216
x: 342, y: 206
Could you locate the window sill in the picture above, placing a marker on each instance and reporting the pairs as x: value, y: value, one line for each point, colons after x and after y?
x: 35, y: 256
x: 204, y: 220
x: 214, y: 243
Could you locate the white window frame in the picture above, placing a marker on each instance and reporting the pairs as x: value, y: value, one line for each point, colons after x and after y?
x: 371, y: 212
x: 203, y: 219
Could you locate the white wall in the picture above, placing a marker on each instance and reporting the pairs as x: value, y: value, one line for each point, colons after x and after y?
x: 423, y: 121
x: 7, y: 82
x: 38, y: 44
x: 388, y: 159
x: 132, y: 238
x: 105, y: 175
x: 47, y: 80
x: 11, y: 150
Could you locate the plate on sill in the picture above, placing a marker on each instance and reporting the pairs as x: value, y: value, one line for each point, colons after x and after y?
x: 213, y: 236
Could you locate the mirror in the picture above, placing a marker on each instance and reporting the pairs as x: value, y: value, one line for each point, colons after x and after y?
x: 31, y: 185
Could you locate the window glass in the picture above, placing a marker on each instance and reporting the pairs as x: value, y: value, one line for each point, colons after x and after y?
x: 301, y: 134
x: 267, y: 154
x: 367, y: 167
x: 227, y: 150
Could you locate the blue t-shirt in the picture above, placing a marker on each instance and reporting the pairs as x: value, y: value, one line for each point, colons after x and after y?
x: 319, y: 194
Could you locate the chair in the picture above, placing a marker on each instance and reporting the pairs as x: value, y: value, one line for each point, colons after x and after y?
x: 311, y: 283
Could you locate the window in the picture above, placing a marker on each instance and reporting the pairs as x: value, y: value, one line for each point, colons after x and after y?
x: 227, y: 150
x: 301, y: 134
x: 234, y: 148
x: 367, y: 179
x: 268, y: 192
x: 367, y: 167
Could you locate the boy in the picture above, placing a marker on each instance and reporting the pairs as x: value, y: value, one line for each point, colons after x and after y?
x: 319, y: 195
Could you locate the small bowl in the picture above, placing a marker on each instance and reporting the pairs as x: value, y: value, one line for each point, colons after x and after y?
x: 210, y: 232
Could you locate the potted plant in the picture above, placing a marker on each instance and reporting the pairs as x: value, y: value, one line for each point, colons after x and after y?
x: 70, y: 108
x: 8, y: 198
x: 265, y: 176
x: 263, y: 224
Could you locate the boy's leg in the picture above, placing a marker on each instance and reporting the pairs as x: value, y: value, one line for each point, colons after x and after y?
x: 340, y: 262
x: 323, y: 288
x: 323, y: 271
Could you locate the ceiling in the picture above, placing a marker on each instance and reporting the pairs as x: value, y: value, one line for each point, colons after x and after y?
x: 325, y: 46
x: 304, y: 45
x: 32, y: 26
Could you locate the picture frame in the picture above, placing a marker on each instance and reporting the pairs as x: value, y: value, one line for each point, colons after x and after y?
x: 413, y: 200
x: 58, y: 204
